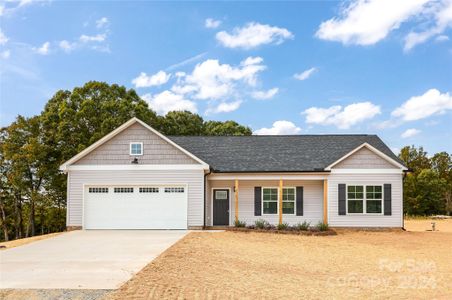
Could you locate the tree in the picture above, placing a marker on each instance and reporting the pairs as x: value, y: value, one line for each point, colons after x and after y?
x: 415, y: 158
x: 181, y: 123
x: 225, y: 128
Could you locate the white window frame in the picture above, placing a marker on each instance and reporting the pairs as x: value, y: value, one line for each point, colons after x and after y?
x: 364, y: 200
x: 135, y: 143
x: 277, y: 201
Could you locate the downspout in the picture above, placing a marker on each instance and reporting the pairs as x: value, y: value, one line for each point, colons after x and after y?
x: 205, y: 198
x: 403, y: 183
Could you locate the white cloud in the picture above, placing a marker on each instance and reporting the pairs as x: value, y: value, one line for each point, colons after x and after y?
x: 366, y: 22
x: 430, y: 103
x: 211, y: 80
x: 253, y: 35
x: 67, y: 46
x: 224, y: 107
x: 168, y: 101
x: 93, y: 38
x: 410, y: 133
x: 5, y: 54
x: 279, y: 127
x: 442, y: 38
x: 342, y: 118
x: 3, y: 38
x: 305, y: 74
x: 212, y: 23
x: 144, y: 80
x: 102, y: 22
x: 44, y: 49
x: 186, y: 61
x: 264, y: 95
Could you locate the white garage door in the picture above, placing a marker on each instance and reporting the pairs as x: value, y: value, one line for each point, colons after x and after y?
x: 135, y: 207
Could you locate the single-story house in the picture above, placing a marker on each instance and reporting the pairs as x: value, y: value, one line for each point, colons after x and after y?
x: 137, y: 178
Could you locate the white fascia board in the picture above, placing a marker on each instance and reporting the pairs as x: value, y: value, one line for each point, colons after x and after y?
x: 366, y: 171
x: 374, y: 150
x: 124, y: 126
x: 133, y: 167
x: 270, y: 176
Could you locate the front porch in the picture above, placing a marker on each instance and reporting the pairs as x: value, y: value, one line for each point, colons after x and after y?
x: 275, y: 198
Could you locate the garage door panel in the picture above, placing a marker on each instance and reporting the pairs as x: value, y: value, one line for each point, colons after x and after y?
x: 146, y: 210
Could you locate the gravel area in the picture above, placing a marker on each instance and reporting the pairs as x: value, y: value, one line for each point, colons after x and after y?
x: 354, y: 264
x: 53, y: 294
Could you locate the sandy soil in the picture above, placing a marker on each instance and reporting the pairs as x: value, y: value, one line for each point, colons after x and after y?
x: 52, y: 294
x: 423, y: 225
x: 20, y: 242
x: 236, y: 265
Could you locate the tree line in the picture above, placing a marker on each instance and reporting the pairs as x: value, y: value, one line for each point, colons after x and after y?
x: 33, y: 190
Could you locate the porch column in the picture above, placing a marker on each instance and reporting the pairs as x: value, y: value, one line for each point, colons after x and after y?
x: 280, y: 200
x: 325, y: 201
x: 236, y: 194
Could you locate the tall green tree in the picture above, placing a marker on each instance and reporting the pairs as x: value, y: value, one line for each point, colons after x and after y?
x: 225, y: 128
x: 181, y: 123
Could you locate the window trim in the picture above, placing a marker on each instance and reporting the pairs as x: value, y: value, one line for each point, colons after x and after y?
x: 134, y: 143
x: 277, y: 201
x: 364, y: 200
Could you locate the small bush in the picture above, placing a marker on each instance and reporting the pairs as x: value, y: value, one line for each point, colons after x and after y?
x: 282, y: 226
x: 261, y: 224
x: 322, y: 226
x: 303, y: 226
x: 240, y: 224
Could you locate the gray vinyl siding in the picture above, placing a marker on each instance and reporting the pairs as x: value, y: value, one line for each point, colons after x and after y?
x: 363, y: 220
x: 313, y: 200
x: 364, y: 159
x: 116, y: 151
x: 193, y: 178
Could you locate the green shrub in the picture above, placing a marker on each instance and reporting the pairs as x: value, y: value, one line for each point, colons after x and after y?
x: 261, y: 224
x: 282, y: 226
x: 322, y: 226
x: 239, y: 223
x: 303, y: 226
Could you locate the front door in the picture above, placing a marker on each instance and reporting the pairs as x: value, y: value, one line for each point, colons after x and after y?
x: 220, y: 207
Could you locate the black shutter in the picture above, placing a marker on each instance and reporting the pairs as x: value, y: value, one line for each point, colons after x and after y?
x: 257, y: 200
x: 299, y: 194
x: 341, y: 199
x: 387, y: 199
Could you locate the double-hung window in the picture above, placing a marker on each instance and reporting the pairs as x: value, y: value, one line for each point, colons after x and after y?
x: 136, y: 148
x: 364, y: 199
x: 288, y: 198
x: 270, y: 201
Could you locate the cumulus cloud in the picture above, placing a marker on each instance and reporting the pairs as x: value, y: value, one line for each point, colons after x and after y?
x: 93, y: 38
x: 67, y: 46
x: 305, y: 74
x: 410, y: 133
x: 44, y: 49
x: 343, y: 118
x: 168, y: 101
x: 224, y: 107
x: 212, y: 23
x: 264, y: 95
x: 431, y: 103
x: 144, y: 80
x: 3, y: 38
x: 102, y: 22
x: 366, y: 22
x: 253, y: 35
x: 279, y: 127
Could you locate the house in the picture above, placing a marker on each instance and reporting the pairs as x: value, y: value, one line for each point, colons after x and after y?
x: 137, y: 178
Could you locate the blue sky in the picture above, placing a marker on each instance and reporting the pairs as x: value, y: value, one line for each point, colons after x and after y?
x: 381, y: 67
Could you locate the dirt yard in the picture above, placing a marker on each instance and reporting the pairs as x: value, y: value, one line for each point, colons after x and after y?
x: 24, y: 241
x: 235, y: 265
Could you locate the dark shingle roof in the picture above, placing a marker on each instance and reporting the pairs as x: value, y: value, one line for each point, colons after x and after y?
x: 287, y: 153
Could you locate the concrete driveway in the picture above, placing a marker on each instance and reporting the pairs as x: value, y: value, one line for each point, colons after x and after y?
x: 91, y: 259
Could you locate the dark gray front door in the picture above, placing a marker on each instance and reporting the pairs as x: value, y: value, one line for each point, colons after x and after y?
x: 220, y: 207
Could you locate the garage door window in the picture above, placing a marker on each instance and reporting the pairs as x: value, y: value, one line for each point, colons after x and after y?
x: 149, y: 189
x: 174, y: 190
x: 123, y: 189
x: 98, y: 190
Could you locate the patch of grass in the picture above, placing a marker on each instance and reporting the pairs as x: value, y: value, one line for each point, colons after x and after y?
x: 322, y: 226
x: 239, y: 224
x: 303, y: 226
x: 283, y: 226
x: 261, y: 224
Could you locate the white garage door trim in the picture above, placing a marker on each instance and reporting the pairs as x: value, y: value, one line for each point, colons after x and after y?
x: 136, y: 186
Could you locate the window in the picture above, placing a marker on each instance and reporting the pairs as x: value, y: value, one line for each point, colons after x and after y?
x: 270, y: 200
x: 123, y: 189
x: 221, y: 195
x: 98, y: 190
x: 368, y: 202
x: 136, y: 148
x: 374, y: 198
x: 288, y: 198
x: 149, y: 189
x: 174, y: 190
